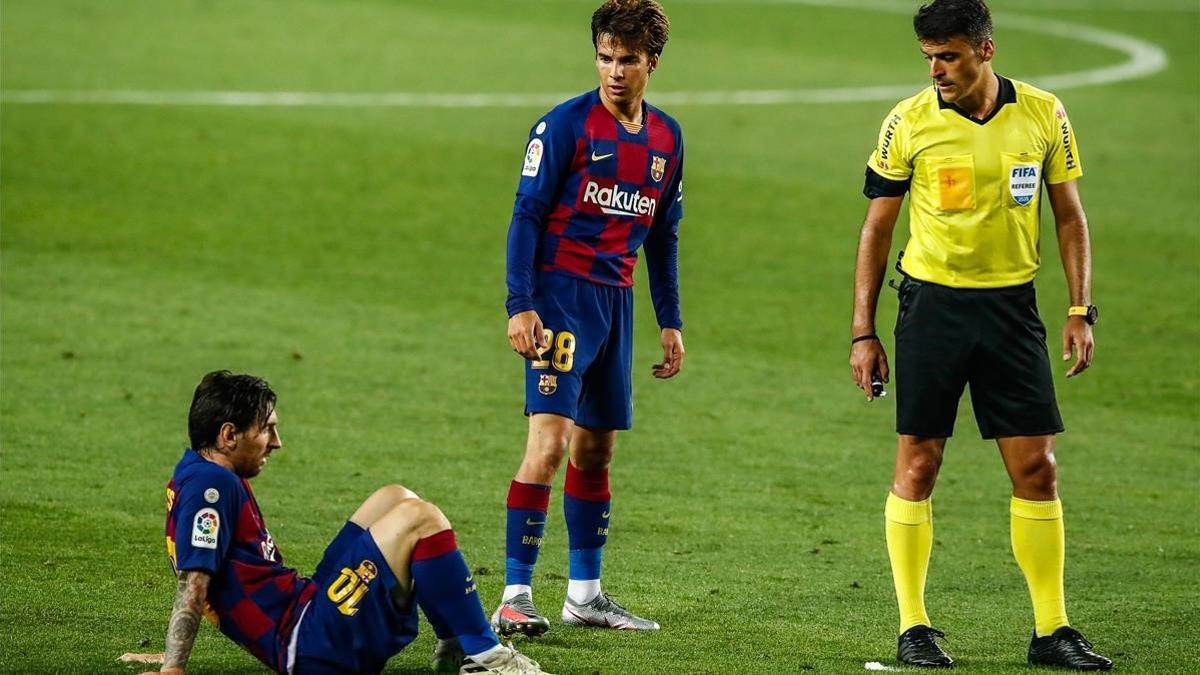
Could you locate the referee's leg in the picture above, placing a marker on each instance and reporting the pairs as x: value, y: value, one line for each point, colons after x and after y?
x: 1037, y: 525
x: 909, y: 523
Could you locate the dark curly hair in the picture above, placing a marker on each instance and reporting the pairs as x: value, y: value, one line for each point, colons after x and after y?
x: 638, y: 25
x: 243, y: 400
x: 941, y: 20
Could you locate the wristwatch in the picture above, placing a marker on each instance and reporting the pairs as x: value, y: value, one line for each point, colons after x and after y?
x: 1089, y: 313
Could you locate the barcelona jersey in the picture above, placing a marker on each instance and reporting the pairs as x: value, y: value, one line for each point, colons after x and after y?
x: 214, y: 525
x: 592, y: 191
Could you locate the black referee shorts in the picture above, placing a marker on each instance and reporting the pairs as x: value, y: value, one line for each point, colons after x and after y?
x: 992, y: 339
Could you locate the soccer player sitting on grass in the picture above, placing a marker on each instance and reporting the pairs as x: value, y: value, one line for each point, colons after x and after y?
x: 395, y: 554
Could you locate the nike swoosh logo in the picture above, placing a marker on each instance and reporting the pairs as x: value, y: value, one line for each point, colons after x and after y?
x: 531, y: 522
x: 604, y: 515
x: 597, y: 158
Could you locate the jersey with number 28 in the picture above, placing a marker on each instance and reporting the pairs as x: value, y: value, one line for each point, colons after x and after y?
x: 604, y: 185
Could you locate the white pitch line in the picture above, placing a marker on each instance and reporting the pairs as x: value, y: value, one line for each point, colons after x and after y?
x: 1144, y: 59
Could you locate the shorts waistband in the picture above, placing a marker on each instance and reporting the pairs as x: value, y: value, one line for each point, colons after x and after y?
x: 1028, y: 285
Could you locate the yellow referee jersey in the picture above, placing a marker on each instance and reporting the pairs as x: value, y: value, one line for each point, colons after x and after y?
x: 975, y: 185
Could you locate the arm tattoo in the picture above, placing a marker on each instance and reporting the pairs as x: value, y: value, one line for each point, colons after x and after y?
x: 190, y: 595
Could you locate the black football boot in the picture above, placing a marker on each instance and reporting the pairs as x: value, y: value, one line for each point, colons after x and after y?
x: 1066, y: 648
x: 917, y: 647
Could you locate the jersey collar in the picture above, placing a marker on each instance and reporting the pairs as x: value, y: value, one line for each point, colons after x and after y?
x: 641, y: 133
x: 1007, y: 94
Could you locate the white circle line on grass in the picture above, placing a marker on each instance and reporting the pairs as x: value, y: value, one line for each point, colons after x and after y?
x: 1144, y: 59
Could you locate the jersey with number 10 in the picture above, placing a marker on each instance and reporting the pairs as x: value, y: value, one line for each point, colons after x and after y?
x: 214, y: 525
x: 605, y: 186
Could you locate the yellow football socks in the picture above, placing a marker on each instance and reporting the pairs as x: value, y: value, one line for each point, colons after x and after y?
x: 1038, y: 545
x: 909, y: 542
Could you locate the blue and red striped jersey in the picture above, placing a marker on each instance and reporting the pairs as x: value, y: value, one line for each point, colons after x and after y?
x: 214, y: 525
x: 597, y: 190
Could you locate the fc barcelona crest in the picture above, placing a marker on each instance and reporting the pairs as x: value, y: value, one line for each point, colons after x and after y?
x: 547, y: 384
x: 658, y: 166
x: 367, y: 571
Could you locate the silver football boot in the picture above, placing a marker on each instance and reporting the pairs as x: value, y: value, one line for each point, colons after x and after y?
x: 604, y: 612
x: 512, y: 662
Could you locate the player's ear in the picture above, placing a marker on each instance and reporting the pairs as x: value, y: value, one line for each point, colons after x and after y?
x: 653, y: 63
x: 226, y: 437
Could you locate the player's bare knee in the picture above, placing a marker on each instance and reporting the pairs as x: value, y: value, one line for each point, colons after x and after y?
x: 417, y: 516
x: 592, y: 450
x: 394, y: 494
x: 380, y: 503
x: 544, y: 453
x: 592, y: 458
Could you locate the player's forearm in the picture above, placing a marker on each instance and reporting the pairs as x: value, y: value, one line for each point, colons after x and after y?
x: 1076, y: 252
x: 523, y: 234
x: 662, y: 270
x: 190, y: 594
x: 874, y: 245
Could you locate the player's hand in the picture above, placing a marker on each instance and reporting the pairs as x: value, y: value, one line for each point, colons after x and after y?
x: 526, y: 334
x: 672, y: 344
x: 867, y: 357
x: 136, y: 657
x: 1077, y: 338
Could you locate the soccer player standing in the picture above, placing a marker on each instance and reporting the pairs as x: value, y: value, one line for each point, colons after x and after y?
x: 395, y: 554
x: 974, y: 152
x: 602, y: 177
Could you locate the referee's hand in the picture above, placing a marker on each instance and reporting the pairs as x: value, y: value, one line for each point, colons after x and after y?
x: 527, y: 335
x: 867, y: 357
x: 1077, y: 338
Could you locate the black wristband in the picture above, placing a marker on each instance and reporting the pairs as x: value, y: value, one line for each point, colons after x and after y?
x: 869, y: 336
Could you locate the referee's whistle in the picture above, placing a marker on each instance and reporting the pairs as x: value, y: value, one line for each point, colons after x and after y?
x: 877, y: 389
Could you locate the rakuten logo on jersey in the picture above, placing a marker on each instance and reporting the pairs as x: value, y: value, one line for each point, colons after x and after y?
x: 616, y: 202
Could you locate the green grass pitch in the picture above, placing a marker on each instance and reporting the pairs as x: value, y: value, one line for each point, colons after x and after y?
x: 355, y: 257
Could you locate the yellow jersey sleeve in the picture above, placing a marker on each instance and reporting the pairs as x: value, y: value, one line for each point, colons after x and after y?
x: 890, y: 158
x: 1062, y: 162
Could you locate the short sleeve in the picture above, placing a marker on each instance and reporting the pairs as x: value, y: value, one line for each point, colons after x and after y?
x: 548, y: 156
x: 890, y: 159
x: 1062, y: 162
x: 206, y: 511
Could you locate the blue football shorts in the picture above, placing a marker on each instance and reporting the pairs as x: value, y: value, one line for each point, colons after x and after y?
x: 352, y: 624
x: 584, y: 373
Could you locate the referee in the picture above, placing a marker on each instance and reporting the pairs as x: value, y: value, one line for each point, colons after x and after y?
x: 974, y: 152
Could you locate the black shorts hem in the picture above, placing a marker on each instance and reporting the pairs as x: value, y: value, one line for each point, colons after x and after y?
x: 990, y: 436
x: 905, y: 432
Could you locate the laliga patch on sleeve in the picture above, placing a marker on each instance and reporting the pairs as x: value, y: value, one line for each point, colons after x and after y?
x: 533, y: 158
x: 205, y: 528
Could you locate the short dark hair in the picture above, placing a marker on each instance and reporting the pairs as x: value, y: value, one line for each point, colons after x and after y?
x: 242, y: 400
x: 941, y: 20
x: 639, y: 25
